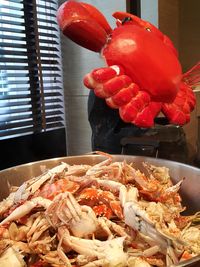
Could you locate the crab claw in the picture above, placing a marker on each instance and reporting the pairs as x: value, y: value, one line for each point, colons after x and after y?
x: 83, y: 24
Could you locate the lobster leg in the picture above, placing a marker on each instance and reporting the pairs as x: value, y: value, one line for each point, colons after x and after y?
x: 179, y: 111
x: 135, y: 106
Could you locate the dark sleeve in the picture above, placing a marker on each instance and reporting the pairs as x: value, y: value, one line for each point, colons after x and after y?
x: 107, y: 127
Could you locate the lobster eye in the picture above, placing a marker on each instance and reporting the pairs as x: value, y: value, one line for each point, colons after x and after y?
x: 126, y: 19
x: 148, y: 29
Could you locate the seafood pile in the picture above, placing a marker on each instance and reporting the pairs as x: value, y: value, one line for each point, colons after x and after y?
x: 109, y: 214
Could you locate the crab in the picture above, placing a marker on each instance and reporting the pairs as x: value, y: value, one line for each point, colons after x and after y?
x: 143, y: 76
x: 80, y: 220
x: 32, y: 188
x: 95, y: 252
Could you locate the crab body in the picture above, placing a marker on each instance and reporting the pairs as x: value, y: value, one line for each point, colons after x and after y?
x: 143, y: 76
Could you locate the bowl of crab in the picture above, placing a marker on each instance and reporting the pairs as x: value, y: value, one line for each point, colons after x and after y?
x: 100, y: 210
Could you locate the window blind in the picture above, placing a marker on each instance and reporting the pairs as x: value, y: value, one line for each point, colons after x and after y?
x: 31, y: 93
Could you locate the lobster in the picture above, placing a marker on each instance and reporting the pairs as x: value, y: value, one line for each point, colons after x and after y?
x: 143, y: 76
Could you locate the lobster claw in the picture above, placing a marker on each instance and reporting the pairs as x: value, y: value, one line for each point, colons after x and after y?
x: 83, y: 24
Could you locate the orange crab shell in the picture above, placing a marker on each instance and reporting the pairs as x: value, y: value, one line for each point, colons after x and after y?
x: 50, y: 190
x: 103, y: 210
x: 104, y: 203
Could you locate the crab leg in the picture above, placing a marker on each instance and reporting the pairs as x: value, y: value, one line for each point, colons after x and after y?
x: 80, y: 220
x: 111, y: 250
x: 136, y: 218
x: 30, y: 187
x: 25, y: 208
x: 82, y: 246
x: 107, y: 225
x: 98, y: 167
x: 56, y: 258
x: 35, y: 183
x: 39, y: 226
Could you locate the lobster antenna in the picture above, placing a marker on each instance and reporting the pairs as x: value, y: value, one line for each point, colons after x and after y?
x: 192, y: 77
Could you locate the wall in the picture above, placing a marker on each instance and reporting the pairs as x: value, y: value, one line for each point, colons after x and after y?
x: 77, y: 62
x: 189, y: 26
x: 168, y: 19
x: 189, y: 48
x: 179, y: 19
x: 149, y: 11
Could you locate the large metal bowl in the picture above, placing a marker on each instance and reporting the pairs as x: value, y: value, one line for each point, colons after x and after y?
x: 190, y: 190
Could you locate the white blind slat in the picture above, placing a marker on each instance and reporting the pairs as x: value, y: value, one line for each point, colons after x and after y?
x: 31, y: 92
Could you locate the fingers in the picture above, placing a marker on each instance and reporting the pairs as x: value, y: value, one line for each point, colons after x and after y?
x: 140, y: 110
x: 119, y: 91
x: 123, y: 96
x: 178, y: 112
x: 106, y: 81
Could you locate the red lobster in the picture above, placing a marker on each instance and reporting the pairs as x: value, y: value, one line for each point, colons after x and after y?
x: 143, y: 77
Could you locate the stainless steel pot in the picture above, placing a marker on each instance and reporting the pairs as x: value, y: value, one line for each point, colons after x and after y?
x: 190, y: 190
